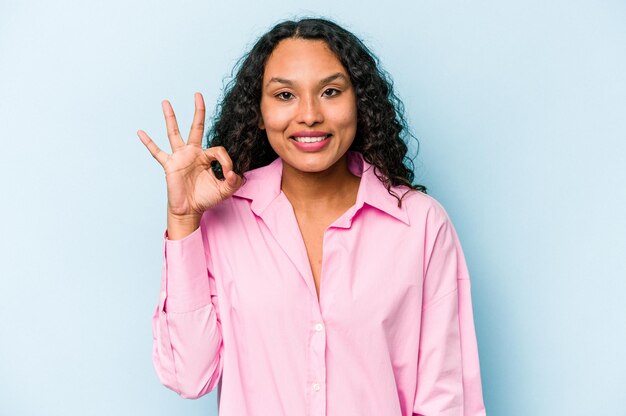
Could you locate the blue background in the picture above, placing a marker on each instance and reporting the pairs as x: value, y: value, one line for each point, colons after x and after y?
x: 520, y: 107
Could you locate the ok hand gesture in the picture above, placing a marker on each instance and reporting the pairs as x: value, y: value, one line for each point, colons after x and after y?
x: 192, y: 187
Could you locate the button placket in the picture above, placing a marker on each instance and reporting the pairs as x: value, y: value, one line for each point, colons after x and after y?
x: 317, y: 341
x: 317, y: 362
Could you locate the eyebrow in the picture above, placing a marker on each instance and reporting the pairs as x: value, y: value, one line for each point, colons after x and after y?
x: 326, y: 80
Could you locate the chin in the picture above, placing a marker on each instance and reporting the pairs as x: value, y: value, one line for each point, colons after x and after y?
x: 312, y: 163
x: 309, y: 167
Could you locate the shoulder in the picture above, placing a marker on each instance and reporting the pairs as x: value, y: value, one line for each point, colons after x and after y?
x: 422, y: 209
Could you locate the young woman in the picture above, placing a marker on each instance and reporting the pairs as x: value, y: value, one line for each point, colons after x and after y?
x: 304, y: 273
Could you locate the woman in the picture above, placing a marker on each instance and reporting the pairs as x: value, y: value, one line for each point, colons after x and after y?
x: 306, y: 274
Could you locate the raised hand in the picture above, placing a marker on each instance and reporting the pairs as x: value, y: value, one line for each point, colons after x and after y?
x: 192, y: 187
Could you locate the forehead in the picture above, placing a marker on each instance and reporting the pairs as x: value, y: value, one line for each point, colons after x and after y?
x: 302, y: 58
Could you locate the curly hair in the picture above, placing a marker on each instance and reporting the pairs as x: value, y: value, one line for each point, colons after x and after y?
x: 381, y: 126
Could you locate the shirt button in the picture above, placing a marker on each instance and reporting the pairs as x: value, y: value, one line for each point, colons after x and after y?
x: 316, y: 386
x: 319, y: 327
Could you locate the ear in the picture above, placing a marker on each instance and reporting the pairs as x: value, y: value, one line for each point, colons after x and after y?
x: 261, y: 123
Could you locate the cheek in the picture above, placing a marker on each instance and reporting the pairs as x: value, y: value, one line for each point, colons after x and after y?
x: 345, y: 112
x: 274, y: 118
x: 345, y: 117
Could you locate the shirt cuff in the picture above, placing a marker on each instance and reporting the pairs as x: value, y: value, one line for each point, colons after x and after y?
x: 185, y: 280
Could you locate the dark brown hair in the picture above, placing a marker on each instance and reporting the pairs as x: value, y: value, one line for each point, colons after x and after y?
x: 381, y: 126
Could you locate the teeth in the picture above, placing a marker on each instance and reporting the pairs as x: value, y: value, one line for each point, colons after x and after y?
x: 310, y: 139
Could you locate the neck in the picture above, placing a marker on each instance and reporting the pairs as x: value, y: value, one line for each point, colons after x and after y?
x: 334, y: 187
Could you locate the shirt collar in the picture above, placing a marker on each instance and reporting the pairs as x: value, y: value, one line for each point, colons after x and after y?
x: 262, y: 186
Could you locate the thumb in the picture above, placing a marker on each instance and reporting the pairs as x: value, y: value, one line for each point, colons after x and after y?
x: 232, y: 182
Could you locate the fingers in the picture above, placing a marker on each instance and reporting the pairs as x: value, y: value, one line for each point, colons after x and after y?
x: 176, y: 141
x: 197, y: 126
x: 219, y: 153
x: 154, y: 150
x: 232, y: 180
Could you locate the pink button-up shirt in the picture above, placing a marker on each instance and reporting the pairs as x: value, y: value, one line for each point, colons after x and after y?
x: 392, y: 332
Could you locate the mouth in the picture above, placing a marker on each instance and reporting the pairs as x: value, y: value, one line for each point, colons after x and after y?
x: 310, y: 139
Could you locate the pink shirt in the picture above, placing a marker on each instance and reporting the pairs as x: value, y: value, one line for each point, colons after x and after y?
x: 392, y: 332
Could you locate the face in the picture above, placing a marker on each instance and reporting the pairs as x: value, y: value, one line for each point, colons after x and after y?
x: 308, y: 105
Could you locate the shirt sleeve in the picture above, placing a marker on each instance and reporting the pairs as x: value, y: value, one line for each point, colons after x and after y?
x: 187, y: 336
x: 448, y: 380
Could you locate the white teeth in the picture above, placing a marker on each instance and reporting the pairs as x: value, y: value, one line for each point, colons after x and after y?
x: 310, y: 139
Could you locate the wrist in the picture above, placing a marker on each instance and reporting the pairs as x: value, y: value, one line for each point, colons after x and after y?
x: 183, y: 218
x: 180, y: 226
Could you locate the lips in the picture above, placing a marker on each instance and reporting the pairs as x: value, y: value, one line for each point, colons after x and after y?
x: 310, y: 136
x: 310, y: 139
x: 309, y: 133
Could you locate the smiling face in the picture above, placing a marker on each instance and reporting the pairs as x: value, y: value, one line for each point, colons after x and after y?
x: 308, y: 105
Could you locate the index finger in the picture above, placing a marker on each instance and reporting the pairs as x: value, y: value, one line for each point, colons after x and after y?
x: 173, y: 134
x: 154, y: 150
x: 220, y: 154
x: 197, y: 125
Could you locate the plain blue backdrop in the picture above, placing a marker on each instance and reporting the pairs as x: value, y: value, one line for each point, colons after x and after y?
x: 520, y: 109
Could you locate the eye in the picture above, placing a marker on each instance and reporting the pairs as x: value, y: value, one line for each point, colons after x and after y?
x: 285, y: 95
x: 330, y: 92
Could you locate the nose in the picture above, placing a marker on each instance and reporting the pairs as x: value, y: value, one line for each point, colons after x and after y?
x: 309, y: 110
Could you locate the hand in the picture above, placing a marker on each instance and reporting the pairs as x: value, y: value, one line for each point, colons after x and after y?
x: 192, y: 187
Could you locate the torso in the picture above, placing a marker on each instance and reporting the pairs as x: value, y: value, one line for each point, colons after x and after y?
x: 312, y: 230
x: 314, y: 222
x: 314, y: 219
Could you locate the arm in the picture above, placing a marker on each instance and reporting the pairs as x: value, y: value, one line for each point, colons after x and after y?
x: 187, y: 338
x: 448, y: 380
x: 187, y: 346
